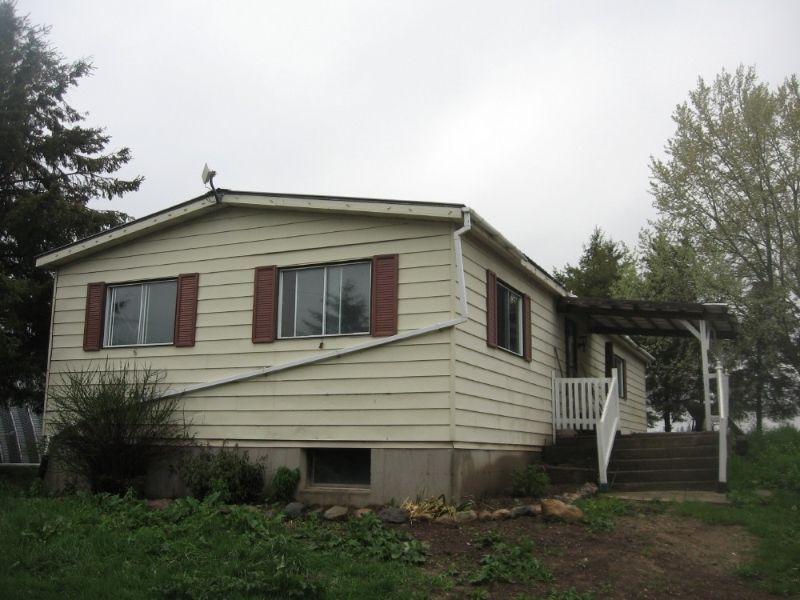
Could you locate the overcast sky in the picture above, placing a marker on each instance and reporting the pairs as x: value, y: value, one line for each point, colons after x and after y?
x: 541, y: 116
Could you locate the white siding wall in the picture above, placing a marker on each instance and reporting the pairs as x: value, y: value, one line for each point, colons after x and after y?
x: 391, y: 395
x: 502, y: 400
x: 633, y: 411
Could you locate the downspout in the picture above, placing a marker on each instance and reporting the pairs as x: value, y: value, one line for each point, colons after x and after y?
x: 309, y: 360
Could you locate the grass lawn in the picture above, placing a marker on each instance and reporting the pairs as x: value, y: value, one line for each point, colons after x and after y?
x: 83, y: 546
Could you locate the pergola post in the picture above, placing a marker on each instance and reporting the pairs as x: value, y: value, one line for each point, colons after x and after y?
x: 703, y: 334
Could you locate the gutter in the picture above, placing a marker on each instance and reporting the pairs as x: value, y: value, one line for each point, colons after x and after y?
x: 462, y: 318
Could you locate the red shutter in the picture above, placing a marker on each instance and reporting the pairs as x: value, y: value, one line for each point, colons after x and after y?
x: 609, y: 358
x: 95, y: 317
x: 265, y: 304
x: 186, y: 310
x: 527, y: 353
x: 491, y: 309
x: 385, y: 283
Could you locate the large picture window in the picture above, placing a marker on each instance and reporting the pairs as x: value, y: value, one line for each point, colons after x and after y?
x: 325, y: 300
x: 509, y: 319
x: 140, y: 313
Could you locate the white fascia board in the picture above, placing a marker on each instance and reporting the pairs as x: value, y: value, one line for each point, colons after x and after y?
x: 343, y: 205
x: 118, y: 235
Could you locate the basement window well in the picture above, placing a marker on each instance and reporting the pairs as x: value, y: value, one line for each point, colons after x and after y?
x: 339, y: 466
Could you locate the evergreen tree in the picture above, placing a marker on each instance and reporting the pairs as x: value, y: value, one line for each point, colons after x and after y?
x: 602, y: 267
x: 50, y: 167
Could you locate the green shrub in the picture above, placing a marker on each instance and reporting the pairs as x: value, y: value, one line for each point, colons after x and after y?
x: 111, y: 425
x: 772, y: 461
x: 599, y: 513
x: 284, y: 484
x: 511, y: 563
x: 530, y: 481
x: 227, y: 473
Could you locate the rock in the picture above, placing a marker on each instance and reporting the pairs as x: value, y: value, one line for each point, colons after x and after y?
x: 536, y: 509
x: 568, y: 498
x: 556, y: 510
x: 501, y: 514
x: 484, y: 515
x: 270, y: 513
x: 294, y: 510
x: 393, y: 514
x: 764, y: 494
x: 360, y: 512
x: 159, y: 504
x: 526, y: 510
x: 423, y: 518
x: 587, y: 490
x: 465, y: 516
x: 336, y: 513
x: 445, y: 519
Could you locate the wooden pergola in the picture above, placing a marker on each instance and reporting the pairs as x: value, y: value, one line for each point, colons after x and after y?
x: 706, y: 322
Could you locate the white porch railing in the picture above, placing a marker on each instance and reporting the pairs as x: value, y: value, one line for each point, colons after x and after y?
x: 607, y: 429
x: 586, y: 403
x: 578, y: 402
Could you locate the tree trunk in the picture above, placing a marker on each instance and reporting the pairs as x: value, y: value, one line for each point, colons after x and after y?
x: 759, y: 412
x: 667, y: 421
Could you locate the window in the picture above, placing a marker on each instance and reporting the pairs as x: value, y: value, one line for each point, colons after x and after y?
x: 326, y: 300
x: 622, y: 376
x: 509, y: 319
x: 140, y: 313
x: 339, y: 466
x: 571, y: 337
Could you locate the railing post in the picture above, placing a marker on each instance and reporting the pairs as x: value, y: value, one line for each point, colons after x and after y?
x: 722, y: 403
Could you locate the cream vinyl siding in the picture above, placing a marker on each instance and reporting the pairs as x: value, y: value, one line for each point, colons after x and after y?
x: 395, y: 394
x: 632, y: 409
x: 501, y: 399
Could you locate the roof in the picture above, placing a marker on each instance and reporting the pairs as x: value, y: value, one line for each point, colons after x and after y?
x: 645, y: 317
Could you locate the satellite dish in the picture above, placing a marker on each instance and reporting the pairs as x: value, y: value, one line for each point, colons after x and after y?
x: 208, y: 175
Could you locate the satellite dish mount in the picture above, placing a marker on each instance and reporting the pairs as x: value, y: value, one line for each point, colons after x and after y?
x: 208, y: 179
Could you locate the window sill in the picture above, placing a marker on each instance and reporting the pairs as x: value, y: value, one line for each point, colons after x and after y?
x: 324, y: 336
x: 332, y: 487
x: 138, y: 345
x: 511, y: 352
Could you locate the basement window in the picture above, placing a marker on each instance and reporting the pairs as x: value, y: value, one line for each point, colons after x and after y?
x: 339, y: 466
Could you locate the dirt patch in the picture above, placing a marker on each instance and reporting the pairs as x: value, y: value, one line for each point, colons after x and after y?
x: 653, y: 556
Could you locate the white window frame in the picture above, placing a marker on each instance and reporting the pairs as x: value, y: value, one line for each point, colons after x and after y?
x: 520, y: 319
x: 324, y: 268
x: 108, y: 323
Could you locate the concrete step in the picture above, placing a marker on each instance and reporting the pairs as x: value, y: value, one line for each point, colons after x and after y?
x: 661, y: 464
x: 673, y: 440
x: 662, y: 475
x: 663, y: 485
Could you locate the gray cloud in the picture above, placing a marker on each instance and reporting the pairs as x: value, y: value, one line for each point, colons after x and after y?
x: 540, y: 115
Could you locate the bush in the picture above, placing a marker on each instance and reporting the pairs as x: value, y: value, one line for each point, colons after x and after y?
x: 772, y: 461
x: 530, y: 481
x: 111, y: 426
x: 227, y: 473
x: 511, y: 563
x: 283, y: 484
x: 600, y: 513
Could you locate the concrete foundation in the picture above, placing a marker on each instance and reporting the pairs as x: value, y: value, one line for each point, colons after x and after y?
x: 395, y: 474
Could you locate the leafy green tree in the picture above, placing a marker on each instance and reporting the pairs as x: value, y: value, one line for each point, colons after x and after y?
x: 50, y: 167
x: 602, y: 267
x: 730, y: 186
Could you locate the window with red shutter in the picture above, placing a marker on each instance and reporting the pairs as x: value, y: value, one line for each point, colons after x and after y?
x: 95, y: 317
x: 385, y: 284
x: 265, y: 304
x: 186, y: 310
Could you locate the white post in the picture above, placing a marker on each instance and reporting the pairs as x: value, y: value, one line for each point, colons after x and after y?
x: 704, y: 344
x: 722, y: 401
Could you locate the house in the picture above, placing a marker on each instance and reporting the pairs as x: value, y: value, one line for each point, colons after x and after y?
x: 388, y: 349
